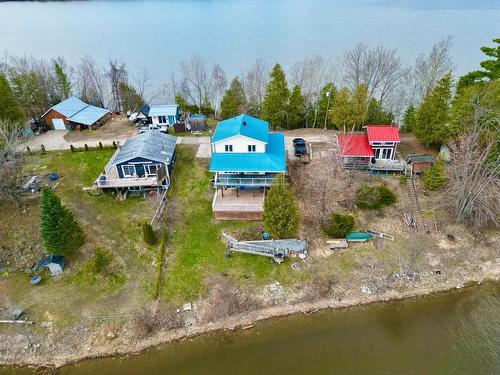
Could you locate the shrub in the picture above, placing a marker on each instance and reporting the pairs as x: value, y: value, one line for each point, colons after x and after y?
x: 374, y: 197
x: 101, y: 260
x: 115, y: 145
x: 72, y: 148
x: 100, y: 146
x: 281, y: 214
x: 60, y: 232
x: 86, y: 147
x: 435, y: 178
x: 148, y: 234
x: 340, y: 225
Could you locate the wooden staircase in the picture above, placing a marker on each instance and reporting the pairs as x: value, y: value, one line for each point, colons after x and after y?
x: 412, y: 194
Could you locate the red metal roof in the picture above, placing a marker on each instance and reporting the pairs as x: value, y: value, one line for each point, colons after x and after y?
x: 354, y: 145
x: 382, y: 133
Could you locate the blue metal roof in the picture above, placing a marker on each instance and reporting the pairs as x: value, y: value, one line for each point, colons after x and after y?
x: 163, y: 110
x: 78, y: 111
x: 273, y: 160
x: 245, y: 125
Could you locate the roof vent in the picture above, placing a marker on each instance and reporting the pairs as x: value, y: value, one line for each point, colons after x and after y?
x: 244, y: 123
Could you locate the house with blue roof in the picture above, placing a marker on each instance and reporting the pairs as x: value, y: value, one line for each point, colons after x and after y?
x: 246, y: 158
x: 75, y: 114
x: 162, y: 115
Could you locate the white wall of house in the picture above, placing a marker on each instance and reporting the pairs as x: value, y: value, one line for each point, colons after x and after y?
x: 157, y: 120
x: 239, y: 144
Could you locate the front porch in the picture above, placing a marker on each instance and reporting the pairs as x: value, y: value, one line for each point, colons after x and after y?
x: 389, y: 165
x: 235, y: 204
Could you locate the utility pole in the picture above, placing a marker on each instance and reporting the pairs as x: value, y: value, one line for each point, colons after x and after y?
x: 327, y: 107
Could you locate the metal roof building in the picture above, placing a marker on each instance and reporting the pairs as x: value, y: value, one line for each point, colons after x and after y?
x: 77, y: 111
x: 244, y: 125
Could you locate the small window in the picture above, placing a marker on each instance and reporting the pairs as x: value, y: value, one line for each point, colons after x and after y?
x: 251, y: 148
x: 229, y: 148
x: 128, y: 170
x: 152, y: 169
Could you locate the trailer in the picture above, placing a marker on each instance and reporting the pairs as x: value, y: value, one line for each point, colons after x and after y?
x: 277, y: 250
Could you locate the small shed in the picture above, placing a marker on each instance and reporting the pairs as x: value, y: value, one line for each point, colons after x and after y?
x: 55, y: 263
x: 196, y: 123
x: 180, y: 127
x: 420, y: 162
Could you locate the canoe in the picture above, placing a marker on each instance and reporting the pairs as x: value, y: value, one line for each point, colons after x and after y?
x: 358, y: 237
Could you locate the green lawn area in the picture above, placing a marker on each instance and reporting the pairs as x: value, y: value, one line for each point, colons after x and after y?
x: 107, y: 223
x: 195, y: 245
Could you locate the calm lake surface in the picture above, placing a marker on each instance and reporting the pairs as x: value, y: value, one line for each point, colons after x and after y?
x: 159, y: 34
x: 451, y: 333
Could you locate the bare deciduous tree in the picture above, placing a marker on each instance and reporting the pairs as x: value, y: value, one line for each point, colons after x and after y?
x: 254, y: 85
x: 430, y: 68
x: 379, y: 68
x: 473, y: 178
x: 91, y: 82
x: 142, y: 84
x: 310, y: 74
x: 116, y: 75
x: 10, y: 161
x: 219, y: 84
x: 196, y: 82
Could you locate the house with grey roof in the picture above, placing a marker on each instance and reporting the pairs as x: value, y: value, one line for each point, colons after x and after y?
x: 75, y: 114
x: 143, y: 163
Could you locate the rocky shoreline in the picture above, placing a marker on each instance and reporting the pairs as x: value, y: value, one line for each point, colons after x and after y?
x: 80, y: 343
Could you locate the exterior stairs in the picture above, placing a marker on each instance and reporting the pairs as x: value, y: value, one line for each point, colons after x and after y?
x: 412, y: 194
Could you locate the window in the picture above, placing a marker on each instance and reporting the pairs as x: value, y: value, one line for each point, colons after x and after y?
x: 382, y: 153
x: 162, y: 119
x: 251, y: 148
x: 377, y: 153
x: 386, y: 153
x: 128, y: 170
x: 228, y: 148
x: 152, y: 169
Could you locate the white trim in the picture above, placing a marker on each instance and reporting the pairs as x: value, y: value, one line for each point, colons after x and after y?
x: 239, y: 135
x: 128, y: 175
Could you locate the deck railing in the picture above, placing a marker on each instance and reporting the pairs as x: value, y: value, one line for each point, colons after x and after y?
x: 127, y: 181
x: 238, y: 207
x: 242, y: 181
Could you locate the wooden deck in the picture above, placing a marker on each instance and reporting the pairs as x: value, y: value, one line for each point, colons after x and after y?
x: 114, y: 181
x: 248, y: 205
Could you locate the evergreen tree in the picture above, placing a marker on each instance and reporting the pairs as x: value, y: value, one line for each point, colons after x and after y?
x: 63, y: 82
x: 281, y: 214
x: 233, y: 103
x: 435, y: 178
x: 325, y: 103
x: 376, y: 115
x: 349, y: 108
x: 9, y: 109
x: 275, y: 104
x: 60, y: 232
x: 296, y: 108
x: 130, y: 98
x: 433, y: 115
x: 491, y: 68
x: 409, y: 119
x: 184, y: 105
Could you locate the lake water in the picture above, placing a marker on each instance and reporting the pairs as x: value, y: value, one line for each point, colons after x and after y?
x: 452, y: 333
x: 159, y: 34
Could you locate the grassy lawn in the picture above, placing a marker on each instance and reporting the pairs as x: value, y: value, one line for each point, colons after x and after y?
x: 106, y: 223
x: 195, y: 245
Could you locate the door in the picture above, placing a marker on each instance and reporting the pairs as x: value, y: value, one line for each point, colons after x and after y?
x: 58, y: 124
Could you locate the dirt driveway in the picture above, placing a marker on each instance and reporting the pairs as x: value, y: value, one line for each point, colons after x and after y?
x: 117, y: 127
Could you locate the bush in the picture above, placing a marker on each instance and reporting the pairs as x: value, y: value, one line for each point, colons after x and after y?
x: 402, y: 180
x: 281, y: 214
x: 60, y: 232
x: 340, y: 225
x: 435, y: 178
x: 86, y: 147
x: 101, y: 260
x: 148, y: 233
x: 374, y: 197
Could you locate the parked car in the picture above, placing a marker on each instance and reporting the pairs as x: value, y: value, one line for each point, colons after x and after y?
x: 161, y: 128
x: 299, y: 146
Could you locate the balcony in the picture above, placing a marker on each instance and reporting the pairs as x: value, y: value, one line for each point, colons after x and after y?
x: 112, y: 180
x: 397, y: 165
x: 238, y: 180
x: 232, y: 204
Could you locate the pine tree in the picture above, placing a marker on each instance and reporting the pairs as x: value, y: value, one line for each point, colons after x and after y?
x: 233, y: 103
x: 324, y: 104
x: 63, y: 82
x: 409, y: 119
x: 9, y: 109
x: 376, y: 115
x: 281, y: 214
x: 131, y: 99
x: 275, y: 104
x: 60, y: 232
x: 296, y: 109
x: 433, y: 115
x: 435, y: 178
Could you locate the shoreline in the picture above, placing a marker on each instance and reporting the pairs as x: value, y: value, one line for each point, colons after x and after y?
x: 234, y: 323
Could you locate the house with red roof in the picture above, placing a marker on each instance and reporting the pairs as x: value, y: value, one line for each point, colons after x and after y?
x: 373, y: 150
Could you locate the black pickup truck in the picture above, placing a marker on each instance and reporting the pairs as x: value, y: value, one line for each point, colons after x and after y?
x: 299, y: 147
